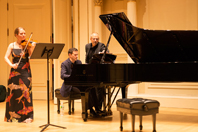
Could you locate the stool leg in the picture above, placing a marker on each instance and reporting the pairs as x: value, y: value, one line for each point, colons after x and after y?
x: 141, y: 122
x: 133, y: 123
x: 72, y: 105
x: 121, y: 119
x: 58, y: 106
x: 154, y: 122
x: 69, y: 105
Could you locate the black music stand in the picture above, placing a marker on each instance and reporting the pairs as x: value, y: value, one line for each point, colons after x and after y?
x: 47, y: 51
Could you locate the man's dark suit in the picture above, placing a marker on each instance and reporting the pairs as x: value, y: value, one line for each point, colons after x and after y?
x: 96, y: 95
x: 100, y: 47
x: 66, y: 71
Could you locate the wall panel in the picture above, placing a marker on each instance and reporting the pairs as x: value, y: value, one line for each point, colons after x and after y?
x: 4, y: 68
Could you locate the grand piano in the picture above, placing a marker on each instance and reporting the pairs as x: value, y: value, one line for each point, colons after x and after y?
x: 158, y: 55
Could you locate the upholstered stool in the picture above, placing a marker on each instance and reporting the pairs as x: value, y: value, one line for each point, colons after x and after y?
x: 138, y: 106
x: 70, y: 99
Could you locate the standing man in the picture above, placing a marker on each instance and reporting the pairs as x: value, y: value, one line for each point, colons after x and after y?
x: 66, y: 70
x: 96, y: 95
x: 94, y: 47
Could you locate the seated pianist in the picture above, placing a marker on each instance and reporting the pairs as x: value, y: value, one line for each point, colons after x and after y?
x: 66, y: 70
x: 95, y: 100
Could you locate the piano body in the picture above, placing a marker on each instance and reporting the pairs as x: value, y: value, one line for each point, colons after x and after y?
x: 158, y: 55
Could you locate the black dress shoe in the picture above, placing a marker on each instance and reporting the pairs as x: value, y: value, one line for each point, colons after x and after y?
x: 93, y: 113
x: 100, y: 113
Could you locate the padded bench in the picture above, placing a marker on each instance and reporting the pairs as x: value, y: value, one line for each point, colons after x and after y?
x: 138, y: 106
x: 70, y: 99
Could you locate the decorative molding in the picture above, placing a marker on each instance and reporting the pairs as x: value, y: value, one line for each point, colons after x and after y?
x: 97, y: 2
x: 41, y: 95
x: 121, y: 58
x: 131, y: 0
x: 182, y: 85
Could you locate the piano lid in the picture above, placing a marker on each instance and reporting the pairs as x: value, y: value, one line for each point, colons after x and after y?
x: 147, y: 46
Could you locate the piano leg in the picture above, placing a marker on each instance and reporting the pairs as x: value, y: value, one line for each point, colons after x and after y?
x: 104, y: 102
x: 84, y: 102
x: 109, y: 112
x: 124, y: 95
x: 124, y: 91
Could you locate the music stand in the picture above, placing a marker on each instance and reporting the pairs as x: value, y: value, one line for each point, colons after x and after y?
x: 47, y: 51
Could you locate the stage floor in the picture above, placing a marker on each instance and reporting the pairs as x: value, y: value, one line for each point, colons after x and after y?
x: 168, y: 120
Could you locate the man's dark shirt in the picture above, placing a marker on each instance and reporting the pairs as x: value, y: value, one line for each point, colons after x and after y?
x: 91, y: 52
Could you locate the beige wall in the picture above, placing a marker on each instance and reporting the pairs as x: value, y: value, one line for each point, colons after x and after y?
x: 168, y: 14
x: 3, y: 42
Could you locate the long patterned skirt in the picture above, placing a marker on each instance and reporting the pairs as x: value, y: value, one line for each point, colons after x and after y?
x: 19, y: 106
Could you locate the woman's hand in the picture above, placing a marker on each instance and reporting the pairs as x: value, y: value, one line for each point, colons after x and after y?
x: 15, y: 66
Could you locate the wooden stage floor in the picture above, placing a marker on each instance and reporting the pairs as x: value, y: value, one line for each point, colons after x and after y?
x: 168, y: 120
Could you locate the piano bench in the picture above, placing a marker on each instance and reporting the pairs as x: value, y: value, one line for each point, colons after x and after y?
x: 138, y: 106
x: 70, y: 99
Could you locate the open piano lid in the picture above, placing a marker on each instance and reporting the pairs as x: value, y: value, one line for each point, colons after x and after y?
x: 147, y: 46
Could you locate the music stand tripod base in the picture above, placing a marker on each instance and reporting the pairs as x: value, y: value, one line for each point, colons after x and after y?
x: 46, y: 125
x: 47, y: 51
